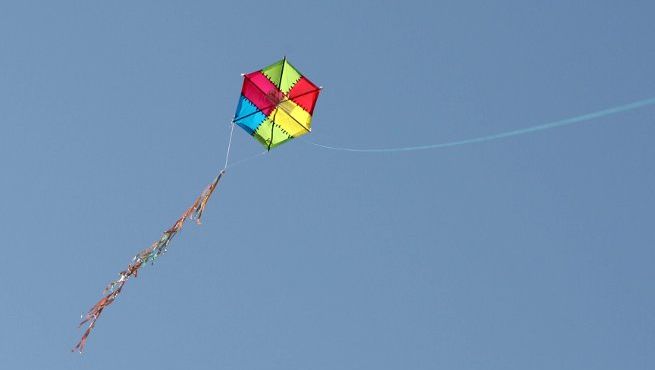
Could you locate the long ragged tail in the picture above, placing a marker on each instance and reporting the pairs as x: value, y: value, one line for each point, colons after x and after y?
x: 148, y: 255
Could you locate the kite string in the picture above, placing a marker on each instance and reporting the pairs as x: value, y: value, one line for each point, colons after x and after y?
x: 240, y: 161
x: 546, y: 126
x: 246, y: 159
x: 229, y: 146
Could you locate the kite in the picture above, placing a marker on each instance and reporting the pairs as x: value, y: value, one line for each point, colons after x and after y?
x: 275, y: 106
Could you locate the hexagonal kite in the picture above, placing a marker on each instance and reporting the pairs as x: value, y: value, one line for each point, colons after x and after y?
x: 276, y: 104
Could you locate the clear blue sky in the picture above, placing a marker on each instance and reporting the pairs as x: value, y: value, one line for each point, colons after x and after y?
x: 534, y: 252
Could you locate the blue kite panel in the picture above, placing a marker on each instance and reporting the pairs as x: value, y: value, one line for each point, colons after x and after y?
x: 247, y: 116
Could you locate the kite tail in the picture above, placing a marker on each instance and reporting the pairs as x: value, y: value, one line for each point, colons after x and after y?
x: 148, y: 255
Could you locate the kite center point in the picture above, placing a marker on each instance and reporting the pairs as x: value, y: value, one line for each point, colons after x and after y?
x: 276, y: 97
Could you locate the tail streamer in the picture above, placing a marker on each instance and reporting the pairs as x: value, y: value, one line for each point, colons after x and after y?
x: 546, y: 126
x: 149, y: 255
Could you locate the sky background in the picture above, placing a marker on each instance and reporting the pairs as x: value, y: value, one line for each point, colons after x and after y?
x: 533, y: 252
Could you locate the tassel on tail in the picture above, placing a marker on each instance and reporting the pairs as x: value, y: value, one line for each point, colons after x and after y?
x: 201, y: 202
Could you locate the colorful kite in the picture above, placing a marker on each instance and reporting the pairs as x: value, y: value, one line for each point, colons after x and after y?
x: 276, y: 105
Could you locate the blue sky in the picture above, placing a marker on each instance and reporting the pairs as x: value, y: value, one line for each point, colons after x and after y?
x: 531, y: 252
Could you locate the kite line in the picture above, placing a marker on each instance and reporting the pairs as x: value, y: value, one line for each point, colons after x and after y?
x: 546, y: 126
x: 241, y: 161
